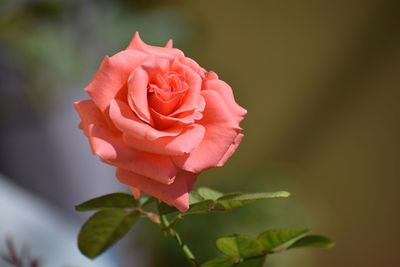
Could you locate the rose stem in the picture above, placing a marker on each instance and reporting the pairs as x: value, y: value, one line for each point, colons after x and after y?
x: 166, y: 227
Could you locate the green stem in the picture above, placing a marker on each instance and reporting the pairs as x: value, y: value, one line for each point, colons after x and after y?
x: 166, y: 227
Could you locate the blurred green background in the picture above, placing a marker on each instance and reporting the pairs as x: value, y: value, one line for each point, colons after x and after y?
x: 320, y: 81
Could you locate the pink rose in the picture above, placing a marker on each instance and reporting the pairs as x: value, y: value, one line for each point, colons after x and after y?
x: 160, y: 119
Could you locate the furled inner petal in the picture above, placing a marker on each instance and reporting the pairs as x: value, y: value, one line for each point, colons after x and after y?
x: 191, y: 99
x: 161, y: 93
x: 165, y: 107
x: 137, y: 94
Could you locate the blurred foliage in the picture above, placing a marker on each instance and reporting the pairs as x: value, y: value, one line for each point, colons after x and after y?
x: 57, y: 44
x: 244, y: 251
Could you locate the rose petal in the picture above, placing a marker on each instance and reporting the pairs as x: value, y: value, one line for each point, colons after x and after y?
x: 164, y: 122
x: 221, y: 131
x: 112, y: 74
x: 231, y: 150
x: 193, y: 64
x: 226, y: 94
x: 137, y: 94
x: 136, y: 192
x: 110, y: 148
x: 169, y: 44
x: 192, y: 99
x: 162, y: 106
x: 186, y: 142
x: 156, y: 65
x: 127, y: 122
x: 175, y: 194
x: 138, y: 44
x: 211, y: 76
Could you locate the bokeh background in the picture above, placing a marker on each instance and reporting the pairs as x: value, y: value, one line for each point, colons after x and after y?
x: 320, y: 80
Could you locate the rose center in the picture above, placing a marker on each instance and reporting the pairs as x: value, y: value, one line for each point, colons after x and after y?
x: 170, y: 82
x: 165, y: 91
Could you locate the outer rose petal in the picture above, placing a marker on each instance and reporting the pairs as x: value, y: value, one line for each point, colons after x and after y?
x: 231, y: 150
x: 221, y: 131
x: 169, y: 44
x: 186, y: 142
x: 128, y: 123
x: 111, y: 149
x: 193, y: 64
x: 175, y: 194
x: 136, y: 192
x: 226, y: 94
x: 168, y: 51
x: 112, y: 74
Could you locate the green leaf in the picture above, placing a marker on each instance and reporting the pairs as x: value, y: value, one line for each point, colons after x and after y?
x: 208, y: 193
x: 194, y: 198
x: 262, y: 195
x: 115, y: 200
x: 253, y: 262
x: 236, y: 200
x: 239, y: 246
x: 103, y: 229
x: 209, y: 200
x: 313, y: 241
x: 146, y: 200
x: 231, y: 195
x: 200, y: 207
x: 164, y: 208
x: 220, y: 262
x: 273, y: 239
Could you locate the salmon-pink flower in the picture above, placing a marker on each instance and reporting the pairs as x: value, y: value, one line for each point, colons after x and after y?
x: 160, y: 119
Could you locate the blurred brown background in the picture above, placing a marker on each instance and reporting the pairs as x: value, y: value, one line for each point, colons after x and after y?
x: 320, y: 80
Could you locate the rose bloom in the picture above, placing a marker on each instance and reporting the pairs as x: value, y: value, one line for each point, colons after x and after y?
x: 160, y: 119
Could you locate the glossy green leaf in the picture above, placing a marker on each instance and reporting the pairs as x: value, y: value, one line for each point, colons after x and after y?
x: 114, y: 200
x: 274, y: 239
x: 313, y: 241
x: 220, y: 262
x: 239, y: 246
x: 208, y: 193
x: 103, y: 229
x: 252, y: 262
